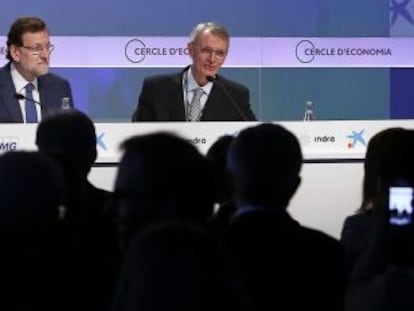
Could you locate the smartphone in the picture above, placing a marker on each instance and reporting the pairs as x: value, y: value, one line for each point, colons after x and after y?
x: 400, y: 205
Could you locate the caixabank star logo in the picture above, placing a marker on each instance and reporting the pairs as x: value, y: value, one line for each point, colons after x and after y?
x: 356, y: 138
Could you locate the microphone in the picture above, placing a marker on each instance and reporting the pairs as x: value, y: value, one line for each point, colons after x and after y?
x: 229, y: 97
x: 21, y: 96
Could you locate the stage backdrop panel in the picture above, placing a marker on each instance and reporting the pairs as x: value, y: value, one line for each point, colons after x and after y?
x: 109, y: 93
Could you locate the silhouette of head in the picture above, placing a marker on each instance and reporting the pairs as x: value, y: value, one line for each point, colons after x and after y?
x: 31, y: 190
x: 265, y: 162
x: 176, y: 266
x: 162, y: 176
x: 217, y: 156
x: 396, y: 161
x: 376, y: 150
x: 70, y: 137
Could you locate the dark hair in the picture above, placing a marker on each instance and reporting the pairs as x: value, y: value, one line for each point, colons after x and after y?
x: 217, y: 156
x: 21, y: 26
x: 70, y: 136
x: 69, y: 131
x: 397, y: 161
x: 376, y: 151
x: 265, y: 162
x: 164, y: 177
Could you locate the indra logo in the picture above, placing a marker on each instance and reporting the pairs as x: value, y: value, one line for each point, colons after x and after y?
x: 324, y: 139
x: 356, y: 139
x: 8, y: 143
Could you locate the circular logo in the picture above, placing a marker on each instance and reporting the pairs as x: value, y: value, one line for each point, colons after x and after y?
x: 301, y: 51
x: 131, y: 51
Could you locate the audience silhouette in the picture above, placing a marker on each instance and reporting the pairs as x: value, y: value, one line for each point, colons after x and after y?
x: 160, y: 177
x: 217, y: 156
x: 63, y: 238
x: 69, y: 137
x: 31, y: 190
x: 224, y: 203
x: 284, y: 265
x: 383, y: 273
x: 178, y: 266
x: 355, y: 231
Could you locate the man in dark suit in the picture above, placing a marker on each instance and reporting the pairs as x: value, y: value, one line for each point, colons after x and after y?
x: 285, y: 266
x: 172, y: 97
x: 27, y: 91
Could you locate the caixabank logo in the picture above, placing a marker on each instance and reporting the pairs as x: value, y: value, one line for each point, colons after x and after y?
x: 355, y: 139
x: 100, y: 141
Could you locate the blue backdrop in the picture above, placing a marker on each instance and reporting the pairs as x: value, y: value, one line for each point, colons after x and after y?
x: 110, y: 94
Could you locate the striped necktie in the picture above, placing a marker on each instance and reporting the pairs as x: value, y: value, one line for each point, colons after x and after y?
x: 194, y: 112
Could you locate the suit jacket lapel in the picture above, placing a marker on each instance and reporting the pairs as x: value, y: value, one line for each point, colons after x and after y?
x: 7, y: 91
x: 175, y: 99
x: 215, y: 105
x: 45, y: 96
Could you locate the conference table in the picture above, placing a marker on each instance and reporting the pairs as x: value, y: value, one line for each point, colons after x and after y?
x: 320, y: 140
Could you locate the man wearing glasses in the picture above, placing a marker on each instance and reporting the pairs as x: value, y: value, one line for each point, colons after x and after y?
x: 27, y: 91
x: 197, y: 93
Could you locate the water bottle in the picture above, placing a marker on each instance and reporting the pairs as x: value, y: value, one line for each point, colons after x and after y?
x: 308, y: 116
x: 65, y: 103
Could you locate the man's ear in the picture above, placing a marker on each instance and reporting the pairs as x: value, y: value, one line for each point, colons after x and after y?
x: 15, y: 53
x: 190, y: 47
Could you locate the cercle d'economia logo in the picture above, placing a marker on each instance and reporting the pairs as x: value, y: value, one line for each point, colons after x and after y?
x: 136, y: 50
x: 133, y: 50
x: 302, y: 51
x: 307, y: 50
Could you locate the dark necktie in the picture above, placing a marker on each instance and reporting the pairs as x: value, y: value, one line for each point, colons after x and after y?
x: 30, y: 105
x: 194, y: 112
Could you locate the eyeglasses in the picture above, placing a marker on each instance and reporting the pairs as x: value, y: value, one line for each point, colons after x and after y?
x: 37, y: 49
x: 220, y: 54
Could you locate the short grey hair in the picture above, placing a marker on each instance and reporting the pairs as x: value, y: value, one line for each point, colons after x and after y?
x: 214, y: 28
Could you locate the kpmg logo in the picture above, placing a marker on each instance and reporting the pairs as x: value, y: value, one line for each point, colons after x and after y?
x: 307, y: 51
x: 137, y: 50
x: 8, y: 144
x: 356, y: 138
